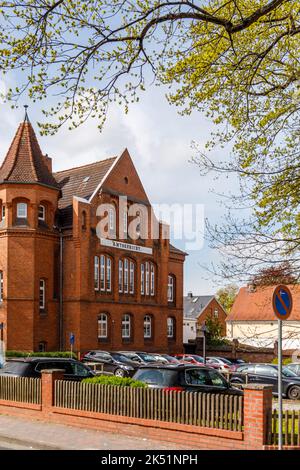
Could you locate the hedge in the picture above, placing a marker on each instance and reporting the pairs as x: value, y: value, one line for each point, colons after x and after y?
x: 119, y: 381
x: 285, y: 362
x: 64, y: 354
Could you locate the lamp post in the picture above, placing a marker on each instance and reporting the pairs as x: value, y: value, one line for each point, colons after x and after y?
x: 204, y: 331
x: 2, y: 343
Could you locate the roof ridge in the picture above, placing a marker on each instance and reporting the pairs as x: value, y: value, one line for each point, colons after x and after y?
x: 26, y: 124
x: 84, y: 166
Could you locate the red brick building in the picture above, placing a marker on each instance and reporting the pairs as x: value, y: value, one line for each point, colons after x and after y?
x: 77, y: 256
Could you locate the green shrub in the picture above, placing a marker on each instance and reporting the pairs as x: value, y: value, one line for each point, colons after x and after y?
x: 64, y: 354
x: 285, y: 362
x: 111, y: 380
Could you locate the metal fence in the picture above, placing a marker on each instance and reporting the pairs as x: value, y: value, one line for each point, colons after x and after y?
x: 198, y: 409
x: 290, y: 426
x: 20, y: 389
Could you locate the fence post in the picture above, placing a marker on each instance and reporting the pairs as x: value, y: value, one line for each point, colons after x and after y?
x: 48, y: 379
x: 257, y: 414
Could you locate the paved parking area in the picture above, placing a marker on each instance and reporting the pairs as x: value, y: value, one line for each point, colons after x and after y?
x: 19, y: 433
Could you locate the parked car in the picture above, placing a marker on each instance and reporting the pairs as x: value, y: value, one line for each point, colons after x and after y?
x: 235, y: 362
x: 170, y: 359
x: 32, y: 367
x: 294, y: 367
x: 141, y: 357
x: 112, y: 362
x: 195, y: 359
x: 185, y: 377
x: 268, y: 374
x: 224, y: 364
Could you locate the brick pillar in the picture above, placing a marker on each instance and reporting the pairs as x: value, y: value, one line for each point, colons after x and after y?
x: 48, y: 379
x: 257, y: 413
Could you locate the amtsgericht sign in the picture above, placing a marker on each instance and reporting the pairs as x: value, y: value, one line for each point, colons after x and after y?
x: 125, y: 246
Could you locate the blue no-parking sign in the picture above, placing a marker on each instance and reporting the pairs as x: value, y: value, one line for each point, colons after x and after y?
x: 72, y: 339
x: 282, y: 302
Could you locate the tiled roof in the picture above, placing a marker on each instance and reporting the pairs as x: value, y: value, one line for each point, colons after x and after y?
x: 24, y: 162
x: 173, y: 249
x: 257, y: 306
x: 195, y: 304
x: 80, y: 181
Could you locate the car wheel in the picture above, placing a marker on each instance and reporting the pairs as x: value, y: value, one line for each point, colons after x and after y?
x: 294, y: 393
x: 119, y: 373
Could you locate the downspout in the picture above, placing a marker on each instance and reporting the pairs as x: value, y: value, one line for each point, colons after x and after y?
x: 61, y: 285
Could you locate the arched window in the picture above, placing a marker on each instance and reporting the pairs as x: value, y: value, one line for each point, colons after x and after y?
x: 103, y: 326
x: 120, y: 276
x: 21, y: 210
x: 148, y: 278
x: 1, y: 286
x: 147, y: 327
x: 103, y: 273
x: 112, y: 220
x: 42, y: 295
x: 171, y: 327
x: 125, y: 223
x: 126, y: 263
x: 171, y: 288
x: 126, y: 326
x: 2, y: 211
x: 42, y: 213
x: 42, y: 346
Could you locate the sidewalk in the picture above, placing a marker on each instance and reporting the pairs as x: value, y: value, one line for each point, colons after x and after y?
x: 19, y: 433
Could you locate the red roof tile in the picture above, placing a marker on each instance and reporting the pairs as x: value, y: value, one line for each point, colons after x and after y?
x: 24, y: 162
x: 257, y: 306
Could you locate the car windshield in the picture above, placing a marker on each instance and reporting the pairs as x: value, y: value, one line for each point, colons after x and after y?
x: 120, y: 357
x: 147, y: 357
x: 288, y: 372
x: 161, y: 377
x: 171, y: 359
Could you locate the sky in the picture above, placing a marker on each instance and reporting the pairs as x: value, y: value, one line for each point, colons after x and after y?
x: 159, y: 141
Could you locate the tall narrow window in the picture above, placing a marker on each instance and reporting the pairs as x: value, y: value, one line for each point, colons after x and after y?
x: 120, y: 276
x: 112, y: 220
x: 147, y: 278
x: 126, y: 276
x: 126, y: 326
x: 1, y: 286
x: 96, y: 273
x: 2, y: 212
x: 171, y: 288
x: 42, y: 296
x: 171, y: 327
x: 147, y: 327
x: 22, y: 210
x: 42, y: 213
x: 152, y: 280
x: 102, y: 326
x: 108, y: 274
x: 102, y: 273
x: 143, y: 279
x: 131, y: 278
x: 125, y: 223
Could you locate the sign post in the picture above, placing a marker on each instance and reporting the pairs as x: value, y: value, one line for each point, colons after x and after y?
x: 203, y: 334
x: 72, y: 341
x: 282, y: 307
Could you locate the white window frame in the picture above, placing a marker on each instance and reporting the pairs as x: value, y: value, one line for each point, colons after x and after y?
x: 147, y: 327
x: 126, y: 276
x: 3, y: 212
x: 42, y: 294
x: 108, y: 274
x: 125, y: 223
x: 96, y: 273
x: 216, y: 313
x: 152, y: 279
x: 42, y: 209
x: 142, y: 279
x: 103, y: 326
x: 131, y: 277
x: 171, y: 283
x: 121, y: 282
x: 20, y: 213
x: 102, y: 273
x: 147, y: 270
x: 170, y: 327
x: 126, y: 326
x: 112, y: 220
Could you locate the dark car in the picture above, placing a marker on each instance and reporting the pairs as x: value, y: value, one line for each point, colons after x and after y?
x: 141, y: 357
x: 112, y: 362
x: 268, y: 374
x: 294, y: 367
x: 185, y: 377
x: 32, y: 367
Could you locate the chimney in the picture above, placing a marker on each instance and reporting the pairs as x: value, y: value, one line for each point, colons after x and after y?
x: 48, y: 162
